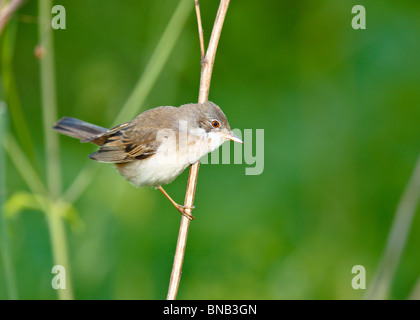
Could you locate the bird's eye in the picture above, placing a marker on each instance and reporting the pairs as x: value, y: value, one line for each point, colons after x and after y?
x: 215, y: 124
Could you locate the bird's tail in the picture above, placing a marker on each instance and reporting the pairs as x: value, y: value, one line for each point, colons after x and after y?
x: 79, y: 129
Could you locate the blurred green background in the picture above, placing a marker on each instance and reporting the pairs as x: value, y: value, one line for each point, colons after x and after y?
x: 340, y: 110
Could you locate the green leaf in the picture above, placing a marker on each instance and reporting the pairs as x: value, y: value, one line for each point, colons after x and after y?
x: 22, y: 200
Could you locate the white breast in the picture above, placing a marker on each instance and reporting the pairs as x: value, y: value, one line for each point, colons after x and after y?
x: 171, y: 158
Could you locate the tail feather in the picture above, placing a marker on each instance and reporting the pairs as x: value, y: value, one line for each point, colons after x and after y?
x: 81, y: 130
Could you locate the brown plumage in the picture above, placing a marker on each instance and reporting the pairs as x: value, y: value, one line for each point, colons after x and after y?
x: 136, y: 139
x: 157, y: 146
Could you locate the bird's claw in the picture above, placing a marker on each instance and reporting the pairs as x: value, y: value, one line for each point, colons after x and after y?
x: 183, y: 210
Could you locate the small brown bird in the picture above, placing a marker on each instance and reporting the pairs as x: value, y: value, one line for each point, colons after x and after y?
x: 157, y: 146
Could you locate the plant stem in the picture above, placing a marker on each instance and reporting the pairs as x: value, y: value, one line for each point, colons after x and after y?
x: 11, y: 288
x: 208, y: 61
x: 49, y: 110
x: 17, y: 115
x: 206, y: 72
x: 200, y: 29
x: 415, y: 293
x: 22, y: 164
x: 397, y: 238
x: 48, y: 96
x: 156, y: 63
x: 59, y: 248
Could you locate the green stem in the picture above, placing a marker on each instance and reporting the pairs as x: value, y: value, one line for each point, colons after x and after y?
x: 11, y: 288
x: 22, y: 164
x: 17, y: 115
x: 49, y: 110
x: 59, y: 248
x: 156, y: 63
x: 397, y: 238
x: 80, y: 183
x: 415, y: 294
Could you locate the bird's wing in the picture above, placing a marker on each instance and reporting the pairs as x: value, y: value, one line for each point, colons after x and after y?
x: 126, y: 144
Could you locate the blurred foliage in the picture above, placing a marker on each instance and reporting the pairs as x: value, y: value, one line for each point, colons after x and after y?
x: 340, y: 109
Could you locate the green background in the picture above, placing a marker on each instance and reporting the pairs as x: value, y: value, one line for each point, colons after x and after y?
x: 340, y: 110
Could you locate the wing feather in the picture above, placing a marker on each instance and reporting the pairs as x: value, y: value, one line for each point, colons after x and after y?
x: 126, y: 145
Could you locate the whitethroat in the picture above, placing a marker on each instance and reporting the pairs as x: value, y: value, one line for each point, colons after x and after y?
x: 157, y: 146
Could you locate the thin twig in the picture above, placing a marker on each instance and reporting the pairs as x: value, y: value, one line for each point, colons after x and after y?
x: 206, y: 71
x: 200, y: 29
x: 208, y: 61
x: 397, y: 238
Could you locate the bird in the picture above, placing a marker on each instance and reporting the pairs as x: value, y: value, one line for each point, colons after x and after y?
x: 158, y: 145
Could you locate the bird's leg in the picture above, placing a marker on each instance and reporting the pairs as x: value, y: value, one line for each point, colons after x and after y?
x: 180, y: 208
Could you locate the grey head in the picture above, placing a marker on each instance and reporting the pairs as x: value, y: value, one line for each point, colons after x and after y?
x: 210, y: 117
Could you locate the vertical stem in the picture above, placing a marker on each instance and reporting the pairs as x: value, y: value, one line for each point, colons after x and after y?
x: 156, y: 62
x: 397, y: 238
x: 200, y: 29
x: 11, y: 288
x: 208, y: 61
x: 16, y: 114
x: 59, y: 248
x: 206, y: 71
x: 182, y: 236
x: 49, y: 110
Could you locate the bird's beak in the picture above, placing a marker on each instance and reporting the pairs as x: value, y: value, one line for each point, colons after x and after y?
x: 233, y: 137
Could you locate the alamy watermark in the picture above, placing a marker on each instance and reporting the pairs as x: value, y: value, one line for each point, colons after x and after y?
x: 189, y: 145
x: 59, y: 19
x: 250, y: 153
x: 359, y: 280
x: 59, y: 280
x: 359, y: 20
